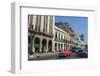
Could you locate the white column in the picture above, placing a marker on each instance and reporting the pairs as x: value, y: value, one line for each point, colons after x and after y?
x: 38, y: 23
x: 60, y: 35
x: 53, y: 26
x: 53, y: 46
x: 48, y: 21
x: 47, y: 46
x: 33, y: 48
x: 42, y: 23
x: 52, y: 30
x: 34, y: 22
x: 44, y: 27
x: 40, y: 49
x: 29, y: 21
x: 58, y: 47
x: 36, y: 26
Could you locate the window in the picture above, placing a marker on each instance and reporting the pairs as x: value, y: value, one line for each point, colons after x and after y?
x: 56, y: 35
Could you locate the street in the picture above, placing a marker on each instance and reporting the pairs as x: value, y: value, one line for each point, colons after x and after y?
x: 50, y: 56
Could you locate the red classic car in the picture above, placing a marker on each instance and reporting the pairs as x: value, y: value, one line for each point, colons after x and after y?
x: 65, y: 53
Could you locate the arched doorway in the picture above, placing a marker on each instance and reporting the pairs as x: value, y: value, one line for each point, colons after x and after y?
x: 50, y: 46
x: 44, y: 45
x: 55, y: 46
x: 37, y: 45
x: 59, y: 47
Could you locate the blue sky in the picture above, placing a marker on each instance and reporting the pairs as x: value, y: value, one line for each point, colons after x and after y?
x: 79, y: 24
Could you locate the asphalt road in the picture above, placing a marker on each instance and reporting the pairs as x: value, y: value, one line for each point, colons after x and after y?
x: 50, y: 56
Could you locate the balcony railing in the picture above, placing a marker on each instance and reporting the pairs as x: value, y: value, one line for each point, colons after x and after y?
x: 40, y: 33
x: 60, y: 40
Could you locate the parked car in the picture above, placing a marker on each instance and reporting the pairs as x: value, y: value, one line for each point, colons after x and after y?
x: 65, y: 53
x: 82, y: 53
x: 74, y: 49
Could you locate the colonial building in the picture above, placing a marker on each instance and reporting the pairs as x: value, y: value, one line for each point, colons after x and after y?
x: 60, y: 39
x: 40, y: 33
x: 69, y: 33
x: 44, y: 35
x: 78, y: 41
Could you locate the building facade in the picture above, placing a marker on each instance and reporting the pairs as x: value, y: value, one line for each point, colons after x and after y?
x: 44, y: 35
x: 71, y: 35
x: 78, y: 42
x: 60, y: 39
x: 40, y: 33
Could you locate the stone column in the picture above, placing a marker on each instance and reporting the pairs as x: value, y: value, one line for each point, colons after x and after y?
x: 57, y: 47
x: 34, y: 22
x: 48, y: 21
x: 33, y: 48
x: 63, y: 46
x: 53, y: 26
x: 42, y: 23
x: 53, y: 46
x: 47, y: 47
x: 40, y: 45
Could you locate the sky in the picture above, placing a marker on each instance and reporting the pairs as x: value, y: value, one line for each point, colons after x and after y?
x: 79, y: 24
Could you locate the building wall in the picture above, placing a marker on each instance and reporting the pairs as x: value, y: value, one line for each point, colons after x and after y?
x: 46, y: 37
x: 42, y: 29
x: 78, y: 42
x: 60, y: 39
x: 41, y: 23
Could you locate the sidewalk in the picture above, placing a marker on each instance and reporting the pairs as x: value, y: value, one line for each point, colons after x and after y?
x: 43, y: 55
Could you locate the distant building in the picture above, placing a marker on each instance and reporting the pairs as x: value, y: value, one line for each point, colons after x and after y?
x: 79, y: 43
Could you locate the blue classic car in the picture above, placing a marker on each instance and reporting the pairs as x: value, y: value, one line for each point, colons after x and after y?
x: 82, y: 53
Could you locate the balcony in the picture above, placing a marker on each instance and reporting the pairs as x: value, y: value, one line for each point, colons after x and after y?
x: 46, y: 34
x: 61, y: 40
